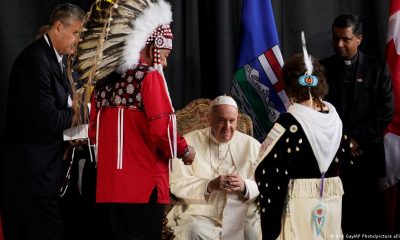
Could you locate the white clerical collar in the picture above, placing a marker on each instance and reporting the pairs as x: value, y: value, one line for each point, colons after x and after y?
x: 59, y: 57
x: 351, y: 61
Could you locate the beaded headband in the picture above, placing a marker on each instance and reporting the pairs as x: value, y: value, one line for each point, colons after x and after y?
x: 308, y: 80
x: 161, y: 37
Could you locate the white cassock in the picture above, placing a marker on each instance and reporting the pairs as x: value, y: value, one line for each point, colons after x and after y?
x: 218, y: 215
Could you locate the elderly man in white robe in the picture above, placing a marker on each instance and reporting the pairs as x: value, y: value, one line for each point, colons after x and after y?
x: 217, y: 193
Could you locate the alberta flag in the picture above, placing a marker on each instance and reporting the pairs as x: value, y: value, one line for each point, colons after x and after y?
x: 256, y: 86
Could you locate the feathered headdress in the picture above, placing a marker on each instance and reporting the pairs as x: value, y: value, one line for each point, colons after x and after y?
x: 114, y: 33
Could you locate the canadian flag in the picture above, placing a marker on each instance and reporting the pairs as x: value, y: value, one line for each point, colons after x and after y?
x: 392, y: 137
x: 393, y: 59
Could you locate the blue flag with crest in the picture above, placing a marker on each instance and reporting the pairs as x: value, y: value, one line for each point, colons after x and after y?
x: 257, y: 87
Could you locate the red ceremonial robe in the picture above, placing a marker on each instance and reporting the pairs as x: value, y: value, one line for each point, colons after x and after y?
x: 129, y: 122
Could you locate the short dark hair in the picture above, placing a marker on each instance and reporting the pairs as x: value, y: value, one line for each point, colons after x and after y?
x: 293, y: 68
x: 66, y: 13
x: 348, y: 20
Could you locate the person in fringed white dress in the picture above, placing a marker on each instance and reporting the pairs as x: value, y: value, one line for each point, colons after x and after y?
x: 301, y: 158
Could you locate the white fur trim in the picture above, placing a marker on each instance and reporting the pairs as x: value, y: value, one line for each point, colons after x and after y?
x: 155, y: 15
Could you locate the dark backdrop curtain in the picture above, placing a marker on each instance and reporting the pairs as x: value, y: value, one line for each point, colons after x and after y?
x: 205, y: 45
x: 315, y: 18
x: 207, y: 35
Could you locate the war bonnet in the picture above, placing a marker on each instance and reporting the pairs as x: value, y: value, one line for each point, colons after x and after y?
x: 114, y: 34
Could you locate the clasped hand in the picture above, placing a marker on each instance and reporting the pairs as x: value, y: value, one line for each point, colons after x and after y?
x: 229, y: 183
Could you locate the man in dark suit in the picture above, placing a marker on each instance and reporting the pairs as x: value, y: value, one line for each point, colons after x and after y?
x: 360, y: 89
x: 38, y: 110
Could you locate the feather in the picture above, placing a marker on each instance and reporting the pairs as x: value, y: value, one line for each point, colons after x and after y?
x: 109, y: 50
x: 110, y: 40
x: 106, y: 32
x: 307, y: 59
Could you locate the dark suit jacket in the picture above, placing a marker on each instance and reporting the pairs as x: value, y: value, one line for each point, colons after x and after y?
x: 37, y: 114
x: 372, y: 105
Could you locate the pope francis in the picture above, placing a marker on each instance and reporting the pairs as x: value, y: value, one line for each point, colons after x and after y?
x: 217, y: 193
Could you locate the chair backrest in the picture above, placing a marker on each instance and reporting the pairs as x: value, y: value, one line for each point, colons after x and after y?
x: 193, y: 117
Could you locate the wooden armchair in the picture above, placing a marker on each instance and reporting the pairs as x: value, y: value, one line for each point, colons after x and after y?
x: 192, y: 117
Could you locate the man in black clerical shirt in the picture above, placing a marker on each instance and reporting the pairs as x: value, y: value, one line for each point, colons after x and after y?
x: 360, y: 89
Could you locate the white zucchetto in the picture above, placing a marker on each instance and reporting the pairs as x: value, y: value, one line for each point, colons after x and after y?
x: 224, y: 100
